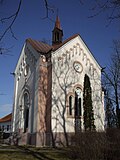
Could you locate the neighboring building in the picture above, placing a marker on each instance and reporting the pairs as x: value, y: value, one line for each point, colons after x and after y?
x: 48, y: 95
x: 5, y: 125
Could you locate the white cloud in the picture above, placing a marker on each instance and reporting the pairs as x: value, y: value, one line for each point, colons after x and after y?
x: 5, y: 109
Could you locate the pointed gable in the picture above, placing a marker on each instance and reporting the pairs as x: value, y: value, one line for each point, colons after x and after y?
x: 55, y: 47
x: 84, y: 45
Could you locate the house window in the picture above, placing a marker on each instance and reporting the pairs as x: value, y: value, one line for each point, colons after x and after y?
x: 70, y: 105
x: 3, y: 128
x: 8, y: 127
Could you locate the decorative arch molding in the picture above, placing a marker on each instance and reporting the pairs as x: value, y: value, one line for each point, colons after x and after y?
x: 25, y: 108
x: 71, y: 52
x: 88, y: 62
x: 26, y: 92
x: 78, y: 49
x: 78, y: 86
x: 26, y: 88
x: 69, y: 94
x: 25, y: 60
x: 70, y: 104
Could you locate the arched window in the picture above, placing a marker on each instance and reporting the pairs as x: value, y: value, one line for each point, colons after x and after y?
x: 26, y: 110
x: 78, y: 102
x: 71, y: 105
x: 78, y: 114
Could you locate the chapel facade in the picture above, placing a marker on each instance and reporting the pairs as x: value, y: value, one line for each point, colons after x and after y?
x: 48, y: 94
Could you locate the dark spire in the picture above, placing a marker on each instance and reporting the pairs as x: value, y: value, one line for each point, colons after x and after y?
x: 57, y: 33
x: 57, y: 23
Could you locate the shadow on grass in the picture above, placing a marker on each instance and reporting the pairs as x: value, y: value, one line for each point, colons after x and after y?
x: 36, y: 154
x: 31, y: 152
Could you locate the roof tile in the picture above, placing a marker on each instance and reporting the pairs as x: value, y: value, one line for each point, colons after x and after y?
x: 6, y: 118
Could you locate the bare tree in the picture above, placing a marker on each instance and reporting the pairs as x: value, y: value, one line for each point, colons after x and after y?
x: 11, y: 20
x: 112, y: 7
x: 110, y: 117
x: 112, y: 79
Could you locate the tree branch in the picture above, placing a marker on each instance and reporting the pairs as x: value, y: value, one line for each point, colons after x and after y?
x: 113, y: 6
x: 9, y: 28
x: 48, y: 8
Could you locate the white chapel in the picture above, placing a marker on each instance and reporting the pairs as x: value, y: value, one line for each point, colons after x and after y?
x: 48, y: 93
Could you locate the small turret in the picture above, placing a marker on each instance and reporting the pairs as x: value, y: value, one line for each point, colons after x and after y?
x: 57, y: 33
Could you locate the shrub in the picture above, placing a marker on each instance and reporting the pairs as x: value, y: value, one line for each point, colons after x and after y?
x: 96, y: 145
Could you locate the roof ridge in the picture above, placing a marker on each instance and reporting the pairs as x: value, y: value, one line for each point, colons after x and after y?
x: 55, y: 47
x: 44, y: 47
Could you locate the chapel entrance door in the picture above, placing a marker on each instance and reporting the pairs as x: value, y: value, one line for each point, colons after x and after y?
x: 77, y: 110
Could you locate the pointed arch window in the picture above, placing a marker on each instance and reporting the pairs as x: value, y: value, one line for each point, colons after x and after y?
x: 71, y: 105
x: 26, y: 111
x: 78, y: 102
x: 75, y: 103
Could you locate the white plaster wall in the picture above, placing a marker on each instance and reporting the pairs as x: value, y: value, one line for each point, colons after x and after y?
x: 64, y: 78
x: 35, y: 87
x: 28, y: 56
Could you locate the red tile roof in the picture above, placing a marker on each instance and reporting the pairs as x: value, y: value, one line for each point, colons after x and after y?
x: 45, y: 48
x: 6, y: 118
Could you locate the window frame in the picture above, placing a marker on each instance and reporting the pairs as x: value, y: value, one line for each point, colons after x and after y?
x: 68, y: 105
x: 72, y: 94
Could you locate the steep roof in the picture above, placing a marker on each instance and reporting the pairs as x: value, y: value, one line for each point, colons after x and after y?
x: 6, y: 118
x: 39, y: 46
x: 45, y: 48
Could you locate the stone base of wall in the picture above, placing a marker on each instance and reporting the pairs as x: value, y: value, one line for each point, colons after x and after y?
x: 22, y: 139
x: 31, y: 139
x: 42, y: 139
x: 27, y: 139
x: 62, y: 139
x: 53, y: 139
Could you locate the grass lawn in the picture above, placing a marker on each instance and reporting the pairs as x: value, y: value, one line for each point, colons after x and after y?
x: 32, y: 153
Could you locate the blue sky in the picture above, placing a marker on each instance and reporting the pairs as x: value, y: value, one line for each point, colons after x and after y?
x: 74, y: 19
